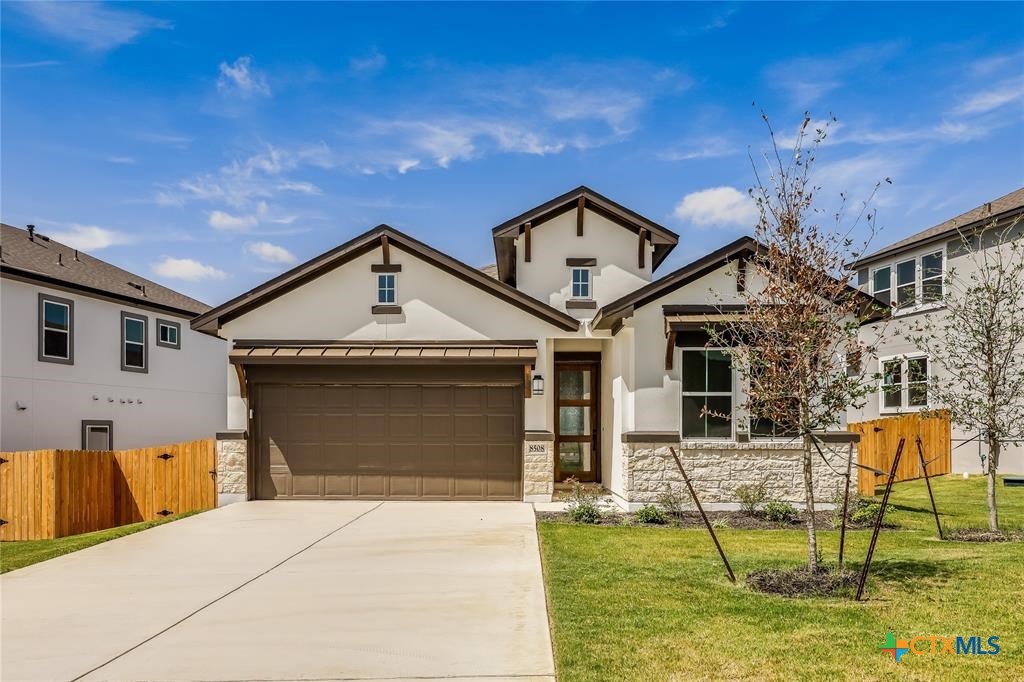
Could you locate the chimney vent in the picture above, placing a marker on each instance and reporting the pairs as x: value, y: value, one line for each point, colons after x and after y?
x: 31, y: 232
x: 60, y: 259
x: 76, y: 256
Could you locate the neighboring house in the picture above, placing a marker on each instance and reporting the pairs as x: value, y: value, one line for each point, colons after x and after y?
x: 387, y: 369
x: 909, y: 275
x: 96, y: 357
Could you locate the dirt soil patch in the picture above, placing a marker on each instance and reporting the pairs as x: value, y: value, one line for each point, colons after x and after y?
x: 801, y: 582
x: 720, y: 519
x: 984, y: 535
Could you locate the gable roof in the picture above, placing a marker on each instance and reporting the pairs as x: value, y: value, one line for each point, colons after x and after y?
x: 663, y: 239
x: 40, y: 259
x: 996, y: 209
x: 611, y: 314
x: 364, y: 243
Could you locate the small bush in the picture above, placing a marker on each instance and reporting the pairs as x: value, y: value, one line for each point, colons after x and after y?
x: 778, y: 511
x: 984, y: 535
x: 585, y: 512
x: 720, y: 522
x: 865, y: 514
x: 673, y: 501
x: 751, y: 496
x: 650, y: 514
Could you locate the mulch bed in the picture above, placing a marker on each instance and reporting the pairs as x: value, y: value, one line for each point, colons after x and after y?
x: 732, y: 519
x: 801, y: 582
x: 984, y: 535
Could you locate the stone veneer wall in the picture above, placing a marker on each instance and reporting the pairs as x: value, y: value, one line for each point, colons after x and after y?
x: 716, y: 469
x: 538, y: 470
x: 232, y: 467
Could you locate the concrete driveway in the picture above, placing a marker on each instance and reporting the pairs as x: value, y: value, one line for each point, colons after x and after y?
x: 291, y: 591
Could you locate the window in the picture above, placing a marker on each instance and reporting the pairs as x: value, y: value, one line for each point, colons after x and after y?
x: 133, y: 343
x: 168, y: 334
x: 707, y: 393
x: 906, y: 286
x: 904, y: 383
x: 931, y: 277
x: 56, y: 330
x: 385, y: 289
x: 97, y: 434
x: 581, y: 283
x: 881, y: 284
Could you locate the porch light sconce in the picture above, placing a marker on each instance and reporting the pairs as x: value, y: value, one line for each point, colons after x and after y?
x: 538, y: 384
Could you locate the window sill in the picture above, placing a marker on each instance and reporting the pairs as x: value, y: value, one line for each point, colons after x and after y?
x: 915, y: 309
x: 383, y: 309
x: 896, y: 411
x: 580, y: 304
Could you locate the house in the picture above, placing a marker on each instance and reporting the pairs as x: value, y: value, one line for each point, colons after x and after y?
x: 387, y: 369
x: 95, y: 357
x: 910, y: 276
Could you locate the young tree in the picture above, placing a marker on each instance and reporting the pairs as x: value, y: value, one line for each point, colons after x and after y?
x: 797, y: 347
x: 978, y: 340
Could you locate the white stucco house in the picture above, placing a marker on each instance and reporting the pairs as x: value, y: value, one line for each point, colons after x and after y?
x: 95, y: 357
x: 910, y: 276
x: 387, y: 369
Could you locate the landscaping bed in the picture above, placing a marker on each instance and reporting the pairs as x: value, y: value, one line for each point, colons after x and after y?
x: 719, y: 519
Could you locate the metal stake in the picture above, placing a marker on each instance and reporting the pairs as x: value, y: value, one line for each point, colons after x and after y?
x: 924, y: 470
x: 878, y: 521
x: 846, y: 505
x: 721, y: 552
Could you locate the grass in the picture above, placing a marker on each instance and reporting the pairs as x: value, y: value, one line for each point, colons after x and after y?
x: 636, y: 603
x: 14, y: 555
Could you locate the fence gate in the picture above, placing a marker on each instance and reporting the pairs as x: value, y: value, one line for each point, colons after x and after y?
x: 879, y: 438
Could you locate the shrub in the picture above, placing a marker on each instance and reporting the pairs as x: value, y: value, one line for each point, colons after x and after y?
x: 751, y: 496
x: 865, y: 514
x: 583, y: 506
x: 650, y: 514
x: 720, y: 522
x: 673, y: 501
x: 778, y: 511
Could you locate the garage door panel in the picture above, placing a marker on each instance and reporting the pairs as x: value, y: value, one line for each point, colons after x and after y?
x: 408, y: 441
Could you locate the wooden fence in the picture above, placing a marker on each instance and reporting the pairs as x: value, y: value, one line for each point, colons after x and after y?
x: 880, y: 437
x: 54, y: 493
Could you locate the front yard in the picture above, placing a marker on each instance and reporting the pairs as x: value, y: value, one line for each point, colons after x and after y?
x: 629, y: 602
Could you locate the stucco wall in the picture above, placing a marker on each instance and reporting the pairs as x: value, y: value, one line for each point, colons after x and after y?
x: 182, y: 395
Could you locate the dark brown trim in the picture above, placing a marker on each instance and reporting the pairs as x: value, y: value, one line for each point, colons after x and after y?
x: 641, y: 248
x: 385, y: 249
x: 580, y: 304
x: 590, y: 362
x: 546, y: 436
x: 41, y: 338
x: 177, y: 336
x: 381, y: 309
x: 527, y: 230
x: 580, y: 204
x: 29, y: 277
x: 98, y: 422
x: 838, y: 437
x: 211, y: 321
x: 235, y: 434
x: 741, y: 275
x: 382, y: 267
x: 581, y: 262
x: 670, y: 350
x: 578, y: 356
x: 650, y: 437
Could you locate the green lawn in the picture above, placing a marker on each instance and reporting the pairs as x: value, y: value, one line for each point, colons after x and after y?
x: 654, y: 604
x: 27, y: 552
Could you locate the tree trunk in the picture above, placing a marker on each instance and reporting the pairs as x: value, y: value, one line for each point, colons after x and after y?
x: 812, y: 536
x: 993, y: 464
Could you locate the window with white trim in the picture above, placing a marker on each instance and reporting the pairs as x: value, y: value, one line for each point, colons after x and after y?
x: 904, y: 383
x: 134, y: 355
x: 581, y: 283
x: 168, y: 334
x: 386, y: 289
x: 707, y: 400
x: 915, y: 281
x: 56, y: 329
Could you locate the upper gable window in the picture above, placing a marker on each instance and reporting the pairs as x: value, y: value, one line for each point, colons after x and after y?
x: 916, y: 281
x: 56, y: 329
x: 385, y: 288
x: 581, y: 283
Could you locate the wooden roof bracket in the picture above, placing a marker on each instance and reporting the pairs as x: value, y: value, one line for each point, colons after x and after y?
x: 641, y: 249
x: 385, y: 249
x: 579, y: 216
x: 242, y: 386
x: 527, y: 239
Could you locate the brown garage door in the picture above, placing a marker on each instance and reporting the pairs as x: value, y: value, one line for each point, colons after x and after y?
x: 389, y: 440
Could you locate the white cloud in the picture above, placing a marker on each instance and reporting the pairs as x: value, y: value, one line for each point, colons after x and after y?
x: 718, y: 206
x: 616, y: 108
x: 186, y: 269
x: 405, y: 165
x: 370, y: 64
x: 300, y: 187
x: 93, y: 25
x: 271, y: 253
x: 808, y: 79
x: 122, y: 160
x: 704, y: 148
x: 242, y: 79
x: 221, y: 220
x: 89, y: 237
x: 997, y: 96
x: 31, y: 65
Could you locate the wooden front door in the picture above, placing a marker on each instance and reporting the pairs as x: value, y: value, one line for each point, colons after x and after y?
x: 577, y: 417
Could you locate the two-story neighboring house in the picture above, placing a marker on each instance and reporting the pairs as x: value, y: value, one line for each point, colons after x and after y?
x: 909, y: 275
x: 98, y: 358
x: 387, y: 369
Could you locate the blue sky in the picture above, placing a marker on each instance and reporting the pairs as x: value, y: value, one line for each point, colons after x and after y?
x: 210, y: 146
